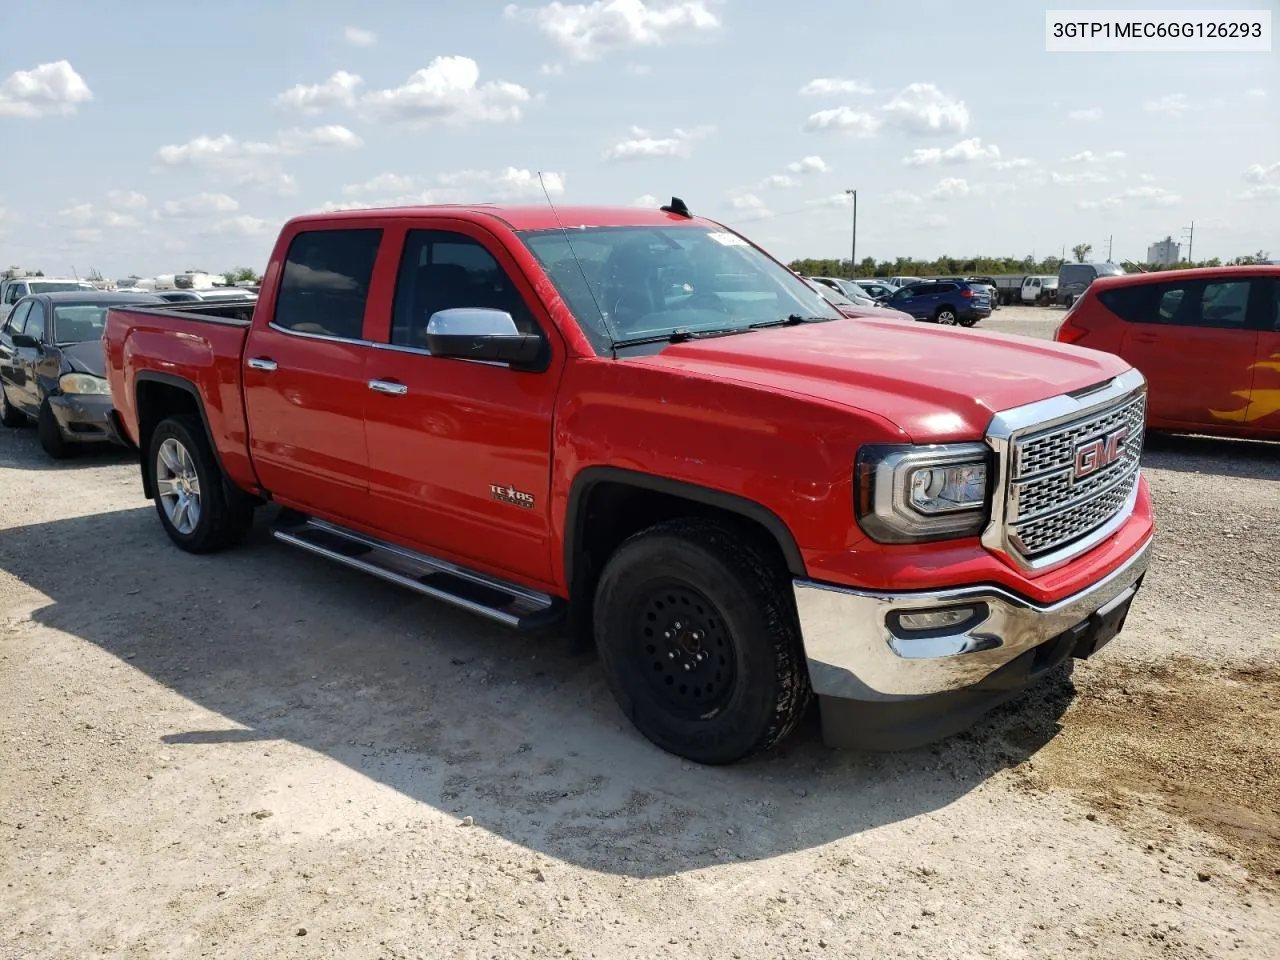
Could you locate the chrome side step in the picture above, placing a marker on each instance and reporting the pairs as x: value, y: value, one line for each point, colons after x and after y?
x: 507, y: 603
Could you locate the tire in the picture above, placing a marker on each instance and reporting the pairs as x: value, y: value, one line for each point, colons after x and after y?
x: 50, y: 435
x: 736, y: 636
x: 10, y: 415
x: 945, y: 316
x: 180, y: 451
x: 971, y: 321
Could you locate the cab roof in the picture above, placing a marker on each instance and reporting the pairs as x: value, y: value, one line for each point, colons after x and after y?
x: 517, y: 217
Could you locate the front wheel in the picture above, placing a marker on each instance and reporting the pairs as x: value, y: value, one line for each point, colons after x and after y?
x: 198, y: 511
x: 946, y: 316
x: 699, y: 641
x: 10, y: 415
x: 50, y: 435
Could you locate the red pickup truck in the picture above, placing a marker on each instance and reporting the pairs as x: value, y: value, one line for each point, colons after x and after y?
x: 639, y: 424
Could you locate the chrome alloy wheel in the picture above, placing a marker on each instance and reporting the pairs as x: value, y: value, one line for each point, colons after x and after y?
x: 178, y: 486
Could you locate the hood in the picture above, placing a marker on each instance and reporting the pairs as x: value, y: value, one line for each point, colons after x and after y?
x: 84, y: 357
x: 935, y: 383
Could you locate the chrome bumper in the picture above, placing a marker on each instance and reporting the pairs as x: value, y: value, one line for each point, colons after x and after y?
x: 857, y: 650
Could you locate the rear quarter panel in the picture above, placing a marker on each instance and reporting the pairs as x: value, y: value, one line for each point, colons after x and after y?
x: 205, y: 353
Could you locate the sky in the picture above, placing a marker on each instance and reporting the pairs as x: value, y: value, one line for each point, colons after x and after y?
x: 181, y: 137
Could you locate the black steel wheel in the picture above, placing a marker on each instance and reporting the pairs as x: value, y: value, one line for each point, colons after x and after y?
x: 699, y: 640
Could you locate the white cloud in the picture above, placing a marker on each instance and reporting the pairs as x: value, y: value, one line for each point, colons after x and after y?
x: 47, y: 90
x: 1146, y: 178
x: 551, y: 70
x: 255, y: 161
x: 922, y: 108
x: 1257, y: 173
x: 196, y: 206
x: 1263, y: 191
x: 1265, y: 182
x: 1148, y: 196
x: 462, y: 186
x: 1081, y: 176
x: 810, y: 164
x: 748, y: 203
x: 648, y: 200
x: 844, y: 119
x: 587, y: 31
x: 1255, y: 92
x: 828, y: 86
x: 950, y: 188
x: 1172, y: 104
x: 359, y: 38
x: 383, y: 183
x: 90, y: 217
x: 841, y: 199
x: 1088, y: 156
x: 508, y: 184
x: 126, y: 199
x: 448, y: 90
x: 338, y: 91
x: 966, y: 151
x: 643, y: 145
x: 242, y: 225
x: 1017, y: 163
x: 779, y: 181
x: 1085, y: 116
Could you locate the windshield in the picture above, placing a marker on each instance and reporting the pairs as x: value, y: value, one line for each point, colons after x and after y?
x: 1109, y: 270
x: 78, y: 322
x: 854, y: 290
x: 832, y: 294
x: 53, y: 286
x: 654, y: 281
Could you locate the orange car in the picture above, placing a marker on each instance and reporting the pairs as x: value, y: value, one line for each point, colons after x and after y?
x: 1208, y: 341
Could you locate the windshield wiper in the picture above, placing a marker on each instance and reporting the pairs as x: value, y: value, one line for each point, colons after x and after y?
x: 679, y: 335
x: 789, y: 321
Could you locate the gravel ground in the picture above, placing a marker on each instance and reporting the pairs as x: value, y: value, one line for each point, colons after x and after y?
x: 259, y: 754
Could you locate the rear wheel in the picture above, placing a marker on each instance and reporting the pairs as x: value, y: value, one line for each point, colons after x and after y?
x: 945, y: 316
x: 10, y: 415
x: 198, y: 511
x: 699, y: 641
x: 50, y: 435
x: 969, y: 322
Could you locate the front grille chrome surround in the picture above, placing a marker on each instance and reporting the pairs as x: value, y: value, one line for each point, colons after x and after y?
x: 1045, y: 510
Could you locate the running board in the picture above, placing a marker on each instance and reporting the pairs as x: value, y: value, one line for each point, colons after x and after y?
x: 507, y: 603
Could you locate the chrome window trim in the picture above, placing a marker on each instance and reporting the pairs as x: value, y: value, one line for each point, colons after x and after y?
x: 1043, y: 415
x: 361, y: 342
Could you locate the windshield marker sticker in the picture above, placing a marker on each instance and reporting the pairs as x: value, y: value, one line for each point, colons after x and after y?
x: 510, y: 495
x: 728, y: 239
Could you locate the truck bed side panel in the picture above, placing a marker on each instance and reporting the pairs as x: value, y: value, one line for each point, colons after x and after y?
x: 202, y: 351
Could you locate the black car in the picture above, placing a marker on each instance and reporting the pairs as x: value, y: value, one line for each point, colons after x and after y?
x: 52, y: 369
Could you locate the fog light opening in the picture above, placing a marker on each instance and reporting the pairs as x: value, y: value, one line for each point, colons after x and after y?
x: 941, y: 621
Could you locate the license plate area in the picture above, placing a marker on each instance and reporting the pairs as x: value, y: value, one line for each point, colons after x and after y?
x: 1103, y: 625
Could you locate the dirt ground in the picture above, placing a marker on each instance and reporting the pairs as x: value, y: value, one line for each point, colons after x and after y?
x: 258, y: 754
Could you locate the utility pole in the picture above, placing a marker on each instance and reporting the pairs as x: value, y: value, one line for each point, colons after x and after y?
x: 853, y: 249
x: 1191, y: 235
x: 1110, y: 237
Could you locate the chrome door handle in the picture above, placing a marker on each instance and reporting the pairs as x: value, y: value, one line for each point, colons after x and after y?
x: 388, y: 387
x: 262, y: 363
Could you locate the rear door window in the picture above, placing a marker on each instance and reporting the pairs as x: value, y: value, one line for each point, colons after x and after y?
x: 1218, y: 304
x: 325, y: 282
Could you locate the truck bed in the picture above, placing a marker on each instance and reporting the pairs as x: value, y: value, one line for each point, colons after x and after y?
x: 177, y: 346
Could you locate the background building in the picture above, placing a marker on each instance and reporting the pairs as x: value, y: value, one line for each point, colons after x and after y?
x: 1164, y: 253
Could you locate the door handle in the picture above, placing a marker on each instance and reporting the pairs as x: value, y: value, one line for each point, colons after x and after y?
x: 1145, y: 339
x: 388, y: 387
x: 262, y: 363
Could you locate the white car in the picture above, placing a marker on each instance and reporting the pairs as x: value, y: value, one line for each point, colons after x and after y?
x: 14, y: 289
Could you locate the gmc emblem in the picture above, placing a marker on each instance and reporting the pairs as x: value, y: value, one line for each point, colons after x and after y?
x: 1098, y: 453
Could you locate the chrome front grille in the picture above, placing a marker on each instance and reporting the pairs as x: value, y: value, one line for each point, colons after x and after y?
x: 1069, y: 480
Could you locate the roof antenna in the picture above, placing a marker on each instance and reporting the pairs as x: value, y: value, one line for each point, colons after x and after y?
x: 678, y: 207
x: 613, y: 335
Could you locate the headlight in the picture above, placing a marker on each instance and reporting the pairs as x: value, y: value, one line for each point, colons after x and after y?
x: 906, y: 494
x: 83, y: 383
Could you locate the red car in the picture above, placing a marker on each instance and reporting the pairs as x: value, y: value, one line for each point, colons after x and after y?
x: 1208, y: 341
x: 642, y: 427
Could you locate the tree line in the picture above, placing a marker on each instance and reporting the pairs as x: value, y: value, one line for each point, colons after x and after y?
x: 982, y: 266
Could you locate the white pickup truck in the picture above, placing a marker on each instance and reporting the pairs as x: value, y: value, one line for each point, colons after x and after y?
x: 14, y: 289
x: 1039, y: 289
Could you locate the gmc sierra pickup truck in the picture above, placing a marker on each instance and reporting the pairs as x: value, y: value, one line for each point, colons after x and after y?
x: 640, y: 425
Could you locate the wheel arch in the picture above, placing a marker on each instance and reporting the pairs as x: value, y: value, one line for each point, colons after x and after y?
x: 160, y: 395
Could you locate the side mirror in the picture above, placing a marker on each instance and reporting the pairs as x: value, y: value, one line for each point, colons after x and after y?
x: 22, y: 340
x: 479, y: 333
